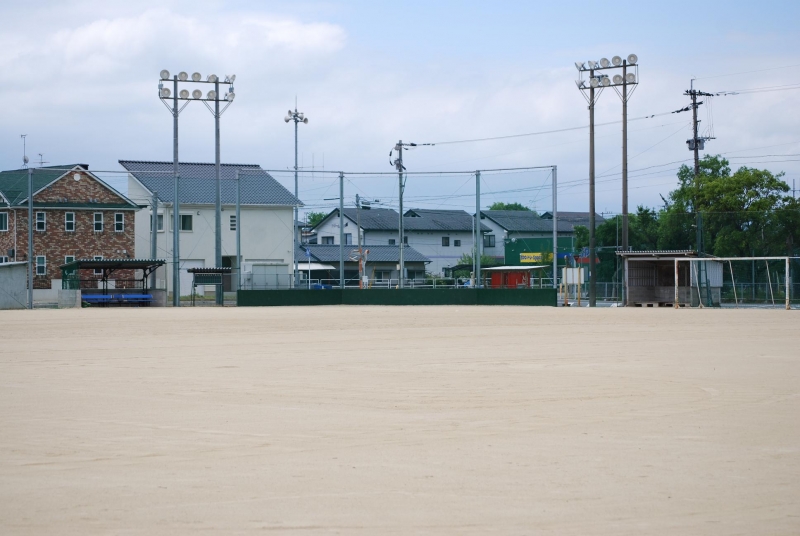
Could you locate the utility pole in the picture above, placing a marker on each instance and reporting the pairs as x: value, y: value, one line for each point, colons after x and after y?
x: 341, y: 230
x: 479, y: 243
x: 30, y: 239
x: 360, y: 253
x: 592, y: 242
x: 695, y: 144
x: 400, y: 187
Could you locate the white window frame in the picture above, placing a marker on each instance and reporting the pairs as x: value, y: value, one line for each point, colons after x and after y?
x: 3, y: 260
x: 95, y: 222
x: 98, y: 258
x: 159, y: 223
x: 327, y: 240
x: 348, y: 239
x: 3, y: 216
x: 67, y: 222
x: 43, y: 222
x: 69, y: 258
x: 180, y: 222
x: 121, y: 217
x: 43, y: 265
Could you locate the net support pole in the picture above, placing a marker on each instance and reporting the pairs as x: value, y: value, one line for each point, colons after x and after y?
x: 555, y: 227
x: 239, y: 231
x: 677, y: 305
x: 477, y: 229
x: 154, y: 238
x: 341, y: 230
x: 30, y: 239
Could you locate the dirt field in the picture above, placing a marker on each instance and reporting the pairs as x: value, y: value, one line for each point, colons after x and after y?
x: 400, y: 420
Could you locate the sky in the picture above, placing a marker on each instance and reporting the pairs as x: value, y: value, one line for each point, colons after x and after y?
x: 81, y: 83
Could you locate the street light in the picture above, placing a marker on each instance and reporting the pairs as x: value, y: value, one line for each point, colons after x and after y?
x: 165, y: 93
x: 601, y: 81
x: 297, y: 117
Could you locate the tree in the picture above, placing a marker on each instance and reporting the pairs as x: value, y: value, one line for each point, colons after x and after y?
x: 315, y: 217
x: 742, y: 213
x: 499, y: 205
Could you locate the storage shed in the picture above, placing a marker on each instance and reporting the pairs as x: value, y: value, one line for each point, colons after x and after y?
x: 650, y: 279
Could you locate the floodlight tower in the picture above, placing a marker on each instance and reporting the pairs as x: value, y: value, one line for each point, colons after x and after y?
x: 164, y: 94
x: 297, y: 117
x: 601, y: 81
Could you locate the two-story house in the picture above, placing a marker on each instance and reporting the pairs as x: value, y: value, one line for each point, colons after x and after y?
x: 266, y: 231
x: 442, y: 236
x: 76, y: 216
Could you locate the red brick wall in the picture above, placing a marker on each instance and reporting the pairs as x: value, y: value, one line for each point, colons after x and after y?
x: 55, y: 243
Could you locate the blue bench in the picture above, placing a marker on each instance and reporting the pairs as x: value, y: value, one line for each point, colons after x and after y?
x: 97, y: 298
x: 134, y: 298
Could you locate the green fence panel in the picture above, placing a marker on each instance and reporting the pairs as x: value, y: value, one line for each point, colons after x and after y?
x: 422, y: 296
x: 272, y: 298
x: 508, y: 296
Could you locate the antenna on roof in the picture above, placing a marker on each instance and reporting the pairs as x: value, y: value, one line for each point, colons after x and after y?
x: 41, y: 160
x: 24, y: 151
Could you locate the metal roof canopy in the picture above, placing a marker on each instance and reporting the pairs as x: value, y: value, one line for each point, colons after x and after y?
x: 211, y: 270
x: 109, y: 266
x: 656, y: 254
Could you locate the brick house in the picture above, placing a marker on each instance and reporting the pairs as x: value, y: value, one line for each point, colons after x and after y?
x: 76, y: 216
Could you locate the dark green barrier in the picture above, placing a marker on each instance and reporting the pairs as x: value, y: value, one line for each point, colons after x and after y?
x: 527, y: 297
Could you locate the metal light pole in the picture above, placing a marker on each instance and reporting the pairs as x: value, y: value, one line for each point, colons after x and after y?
x: 297, y: 117
x: 341, y: 230
x: 555, y: 227
x: 154, y: 237
x: 478, y: 243
x: 601, y: 81
x: 30, y: 238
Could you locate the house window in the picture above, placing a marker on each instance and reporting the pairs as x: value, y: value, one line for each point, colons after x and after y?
x: 348, y: 239
x: 186, y: 222
x: 3, y: 260
x: 457, y: 243
x: 119, y: 222
x: 405, y: 239
x: 160, y: 223
x: 69, y: 258
x: 383, y: 275
x: 3, y: 221
x: 98, y: 271
x: 392, y: 242
x: 445, y: 241
x: 488, y: 241
x: 98, y: 222
x: 327, y: 240
x: 41, y: 222
x: 41, y: 265
x: 69, y: 222
x: 233, y: 222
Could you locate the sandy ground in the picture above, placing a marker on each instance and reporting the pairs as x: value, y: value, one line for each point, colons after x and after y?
x: 399, y: 420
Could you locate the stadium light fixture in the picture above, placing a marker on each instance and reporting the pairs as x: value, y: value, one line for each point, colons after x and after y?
x: 604, y: 63
x: 616, y: 61
x: 183, y: 76
x: 633, y: 59
x: 164, y: 75
x: 196, y: 77
x: 297, y: 117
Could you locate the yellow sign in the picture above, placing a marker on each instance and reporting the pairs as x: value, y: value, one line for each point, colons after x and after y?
x: 526, y: 257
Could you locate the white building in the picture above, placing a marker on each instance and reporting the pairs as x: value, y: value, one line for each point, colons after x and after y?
x: 267, y: 243
x: 443, y: 236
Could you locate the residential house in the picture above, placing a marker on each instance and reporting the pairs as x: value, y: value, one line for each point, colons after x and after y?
x: 266, y: 213
x: 575, y: 218
x: 76, y: 216
x: 320, y: 263
x: 442, y: 236
x: 512, y: 225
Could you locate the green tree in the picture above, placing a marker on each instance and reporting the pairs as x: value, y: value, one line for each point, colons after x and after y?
x: 742, y: 212
x: 315, y: 217
x: 499, y: 205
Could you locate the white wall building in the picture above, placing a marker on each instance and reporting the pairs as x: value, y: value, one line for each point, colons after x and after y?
x: 267, y: 243
x: 443, y: 236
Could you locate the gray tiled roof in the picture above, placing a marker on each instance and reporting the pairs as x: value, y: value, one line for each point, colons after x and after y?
x: 14, y: 186
x: 522, y: 221
x: 327, y: 253
x: 386, y: 219
x: 418, y: 219
x: 575, y: 218
x: 198, y: 183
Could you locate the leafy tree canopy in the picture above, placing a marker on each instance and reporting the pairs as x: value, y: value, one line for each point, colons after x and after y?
x: 315, y: 217
x: 499, y: 205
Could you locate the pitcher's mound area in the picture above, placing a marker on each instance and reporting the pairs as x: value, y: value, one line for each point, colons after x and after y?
x: 399, y: 420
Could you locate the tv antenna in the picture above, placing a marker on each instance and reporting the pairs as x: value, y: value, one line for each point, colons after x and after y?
x: 41, y: 160
x: 24, y: 152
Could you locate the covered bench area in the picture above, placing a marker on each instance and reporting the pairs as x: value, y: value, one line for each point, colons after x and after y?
x: 113, y: 282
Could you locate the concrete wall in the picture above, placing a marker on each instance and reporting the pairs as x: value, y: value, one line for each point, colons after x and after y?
x: 266, y: 236
x: 14, y: 285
